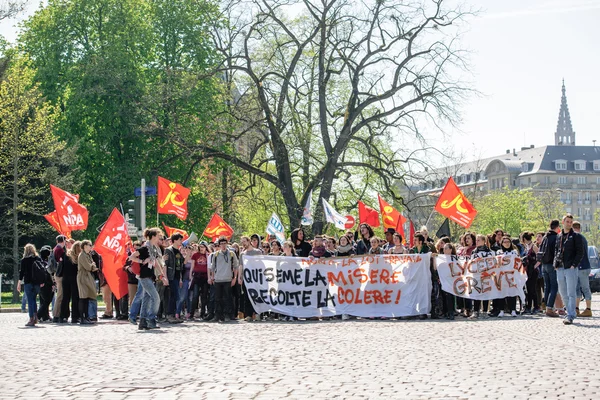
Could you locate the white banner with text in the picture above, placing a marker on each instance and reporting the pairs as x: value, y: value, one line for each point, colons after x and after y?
x: 482, y: 278
x: 363, y: 286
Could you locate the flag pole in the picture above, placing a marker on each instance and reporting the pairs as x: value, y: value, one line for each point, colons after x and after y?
x: 430, y: 215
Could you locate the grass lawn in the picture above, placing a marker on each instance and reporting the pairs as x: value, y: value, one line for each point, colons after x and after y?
x: 7, y: 298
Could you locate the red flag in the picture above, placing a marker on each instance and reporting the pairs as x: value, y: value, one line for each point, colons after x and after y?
x: 367, y: 215
x: 72, y: 216
x: 52, y: 219
x: 391, y: 217
x: 111, y: 244
x: 217, y: 228
x: 171, y: 231
x: 454, y: 205
x: 412, y: 234
x: 172, y: 198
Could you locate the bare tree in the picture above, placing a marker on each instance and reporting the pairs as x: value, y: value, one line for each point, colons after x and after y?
x: 336, y: 90
x: 9, y: 9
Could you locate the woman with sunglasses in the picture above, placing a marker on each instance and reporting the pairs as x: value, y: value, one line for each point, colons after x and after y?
x: 266, y: 247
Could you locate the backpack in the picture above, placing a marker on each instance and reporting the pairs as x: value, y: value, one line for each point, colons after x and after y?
x: 52, y: 264
x: 547, y: 256
x: 38, y: 272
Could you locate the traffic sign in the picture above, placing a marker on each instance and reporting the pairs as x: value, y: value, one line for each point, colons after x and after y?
x: 350, y: 221
x: 150, y: 191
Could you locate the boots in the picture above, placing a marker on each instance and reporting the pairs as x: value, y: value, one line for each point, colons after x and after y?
x: 551, y: 313
x: 31, y: 322
x: 143, y: 325
x: 586, y: 313
x: 35, y: 318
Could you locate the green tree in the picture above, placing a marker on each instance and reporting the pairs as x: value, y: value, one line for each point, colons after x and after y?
x: 127, y: 73
x: 512, y: 210
x: 31, y: 157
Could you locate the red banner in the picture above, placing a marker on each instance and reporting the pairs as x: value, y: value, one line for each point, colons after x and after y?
x: 52, y: 219
x: 171, y: 231
x: 172, y: 198
x: 217, y: 227
x: 454, y: 205
x: 71, y: 215
x: 391, y: 217
x: 111, y: 244
x: 367, y: 215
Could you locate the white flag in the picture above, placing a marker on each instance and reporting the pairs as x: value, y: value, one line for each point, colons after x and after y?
x: 307, y: 218
x: 275, y: 227
x: 333, y: 216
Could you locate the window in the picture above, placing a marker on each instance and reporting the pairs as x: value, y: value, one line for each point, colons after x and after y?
x: 598, y: 197
x: 524, y: 167
x: 581, y: 180
x: 596, y: 165
x: 562, y: 180
x: 560, y: 165
x: 587, y: 196
x: 474, y: 176
x: 547, y: 180
x: 568, y: 196
x: 579, y: 165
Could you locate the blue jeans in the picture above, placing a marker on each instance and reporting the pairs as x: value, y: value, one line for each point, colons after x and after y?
x: 184, y: 295
x: 136, y: 303
x: 32, y: 291
x: 567, y: 286
x: 150, y: 299
x: 173, y: 296
x: 24, y: 302
x: 550, y: 284
x: 93, y: 309
x: 583, y: 284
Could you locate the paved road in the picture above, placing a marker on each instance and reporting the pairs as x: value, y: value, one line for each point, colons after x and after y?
x: 522, y: 358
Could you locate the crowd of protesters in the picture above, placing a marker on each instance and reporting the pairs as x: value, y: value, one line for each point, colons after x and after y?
x: 172, y: 280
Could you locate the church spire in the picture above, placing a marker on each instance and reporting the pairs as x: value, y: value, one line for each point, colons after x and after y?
x: 564, y: 130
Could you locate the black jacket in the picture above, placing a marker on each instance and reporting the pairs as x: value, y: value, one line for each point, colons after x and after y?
x: 550, y: 239
x: 570, y: 246
x: 25, y: 271
x: 363, y: 246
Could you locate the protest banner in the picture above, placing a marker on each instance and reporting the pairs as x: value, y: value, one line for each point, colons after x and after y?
x: 482, y: 278
x: 364, y: 286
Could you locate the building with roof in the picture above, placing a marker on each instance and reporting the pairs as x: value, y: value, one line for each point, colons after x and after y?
x: 564, y: 170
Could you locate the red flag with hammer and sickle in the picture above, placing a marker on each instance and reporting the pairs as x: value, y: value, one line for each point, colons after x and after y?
x: 172, y: 198
x: 454, y: 205
x: 217, y: 228
x: 391, y: 217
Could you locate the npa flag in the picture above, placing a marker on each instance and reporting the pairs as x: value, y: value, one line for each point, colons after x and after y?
x: 275, y: 227
x: 171, y: 231
x: 391, y: 217
x: 111, y: 244
x: 454, y: 205
x: 307, y: 218
x: 172, y: 198
x: 333, y: 216
x: 52, y: 219
x: 367, y: 215
x: 71, y: 215
x: 217, y: 228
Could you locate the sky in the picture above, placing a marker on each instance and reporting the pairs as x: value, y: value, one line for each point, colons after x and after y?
x: 520, y: 52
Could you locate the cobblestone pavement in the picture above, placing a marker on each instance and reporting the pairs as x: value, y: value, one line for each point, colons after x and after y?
x: 530, y: 357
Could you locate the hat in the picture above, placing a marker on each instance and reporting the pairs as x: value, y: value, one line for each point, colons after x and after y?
x: 390, y: 230
x: 255, y: 236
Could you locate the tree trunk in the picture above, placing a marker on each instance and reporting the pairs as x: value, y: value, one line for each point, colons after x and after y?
x: 224, y: 195
x: 15, y: 220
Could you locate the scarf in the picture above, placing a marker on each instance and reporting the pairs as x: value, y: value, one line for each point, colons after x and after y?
x: 318, y: 251
x: 344, y: 249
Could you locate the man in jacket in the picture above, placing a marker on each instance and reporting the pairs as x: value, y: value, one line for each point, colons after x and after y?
x: 59, y: 253
x: 223, y: 270
x: 174, y: 264
x: 583, y: 280
x: 548, y: 249
x: 567, y: 257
